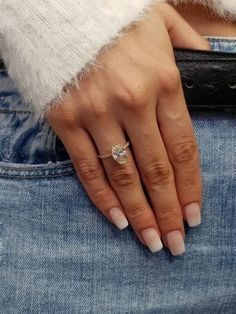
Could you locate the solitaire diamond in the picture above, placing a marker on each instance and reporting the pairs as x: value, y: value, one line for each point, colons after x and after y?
x: 119, y: 154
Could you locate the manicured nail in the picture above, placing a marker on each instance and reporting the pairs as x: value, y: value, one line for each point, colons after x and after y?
x: 152, y: 239
x: 175, y: 242
x: 193, y: 214
x: 118, y: 218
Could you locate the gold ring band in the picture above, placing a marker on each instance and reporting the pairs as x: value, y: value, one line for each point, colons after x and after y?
x: 118, y: 152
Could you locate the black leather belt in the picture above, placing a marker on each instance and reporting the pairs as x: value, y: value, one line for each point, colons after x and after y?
x: 208, y: 78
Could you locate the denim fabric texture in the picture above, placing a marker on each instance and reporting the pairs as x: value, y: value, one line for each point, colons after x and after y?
x: 60, y: 255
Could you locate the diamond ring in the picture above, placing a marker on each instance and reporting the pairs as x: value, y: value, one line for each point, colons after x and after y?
x: 118, y: 152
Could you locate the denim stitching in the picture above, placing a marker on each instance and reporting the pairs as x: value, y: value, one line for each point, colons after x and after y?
x: 50, y: 167
x: 3, y: 111
x: 36, y: 175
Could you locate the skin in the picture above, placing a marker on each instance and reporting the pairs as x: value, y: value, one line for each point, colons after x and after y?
x: 142, y: 100
x: 205, y: 22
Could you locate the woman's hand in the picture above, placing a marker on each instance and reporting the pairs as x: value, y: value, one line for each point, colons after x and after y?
x: 135, y: 94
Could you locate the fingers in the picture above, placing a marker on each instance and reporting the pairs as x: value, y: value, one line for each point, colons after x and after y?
x: 91, y: 173
x: 180, y: 32
x: 178, y: 135
x: 158, y: 177
x: 125, y: 181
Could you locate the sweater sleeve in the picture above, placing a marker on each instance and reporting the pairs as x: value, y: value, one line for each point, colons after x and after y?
x: 45, y: 44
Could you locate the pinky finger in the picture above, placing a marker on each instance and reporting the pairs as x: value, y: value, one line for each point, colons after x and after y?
x: 92, y: 175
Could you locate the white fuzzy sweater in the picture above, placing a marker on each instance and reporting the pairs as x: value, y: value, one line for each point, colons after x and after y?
x: 48, y: 43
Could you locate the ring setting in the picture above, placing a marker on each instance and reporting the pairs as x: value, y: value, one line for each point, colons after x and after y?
x: 118, y: 152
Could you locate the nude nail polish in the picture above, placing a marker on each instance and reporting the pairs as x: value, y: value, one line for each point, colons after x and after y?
x: 193, y: 214
x: 175, y: 242
x: 152, y: 239
x: 118, y: 218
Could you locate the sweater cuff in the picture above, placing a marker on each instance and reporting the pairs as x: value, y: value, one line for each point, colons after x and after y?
x: 46, y: 44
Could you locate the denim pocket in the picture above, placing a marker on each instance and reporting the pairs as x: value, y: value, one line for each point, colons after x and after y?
x: 29, y: 147
x: 32, y: 171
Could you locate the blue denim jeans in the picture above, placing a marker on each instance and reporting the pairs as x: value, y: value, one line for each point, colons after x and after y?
x: 59, y: 254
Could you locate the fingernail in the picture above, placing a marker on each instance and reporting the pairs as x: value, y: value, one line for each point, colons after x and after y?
x: 175, y: 242
x: 193, y: 214
x: 118, y: 218
x: 152, y: 239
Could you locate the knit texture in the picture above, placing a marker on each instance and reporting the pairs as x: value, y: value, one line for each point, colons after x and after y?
x: 47, y: 44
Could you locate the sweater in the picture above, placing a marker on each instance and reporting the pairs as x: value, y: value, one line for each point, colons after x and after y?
x: 47, y: 44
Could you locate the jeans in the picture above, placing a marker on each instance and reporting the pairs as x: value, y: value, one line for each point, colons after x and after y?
x: 59, y: 254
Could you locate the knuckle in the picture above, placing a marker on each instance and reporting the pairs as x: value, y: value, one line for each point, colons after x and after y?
x: 184, y: 151
x: 88, y: 170
x: 169, y: 79
x: 99, y: 110
x: 192, y: 178
x: 63, y: 118
x: 100, y: 195
x: 157, y: 173
x: 124, y: 177
x: 191, y: 183
x: 134, y: 98
x: 70, y: 123
x: 135, y: 211
x: 168, y: 216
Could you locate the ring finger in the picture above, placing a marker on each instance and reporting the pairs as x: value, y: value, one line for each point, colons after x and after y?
x: 125, y: 180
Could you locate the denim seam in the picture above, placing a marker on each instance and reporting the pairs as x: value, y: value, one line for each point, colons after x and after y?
x: 54, y: 167
x: 3, y: 111
x: 37, y: 176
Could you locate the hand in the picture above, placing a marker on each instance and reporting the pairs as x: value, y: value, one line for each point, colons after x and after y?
x: 135, y: 93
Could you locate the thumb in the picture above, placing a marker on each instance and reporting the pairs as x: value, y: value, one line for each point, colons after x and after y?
x: 182, y: 35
